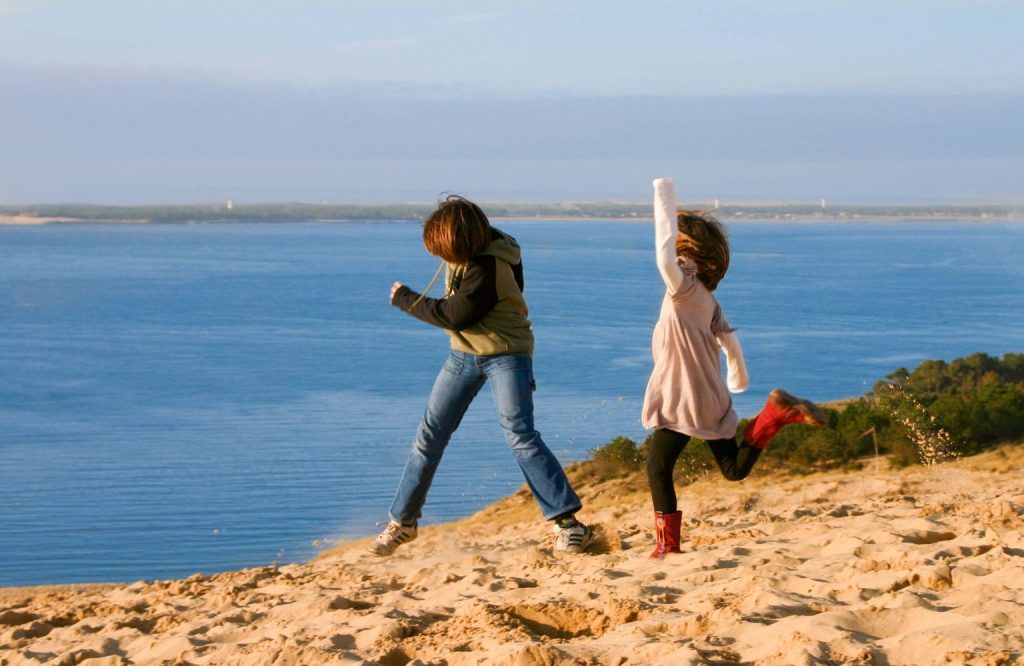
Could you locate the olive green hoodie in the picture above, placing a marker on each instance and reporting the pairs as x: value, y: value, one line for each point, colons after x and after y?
x: 483, y: 310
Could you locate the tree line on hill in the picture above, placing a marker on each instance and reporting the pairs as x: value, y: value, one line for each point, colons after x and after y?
x: 936, y: 412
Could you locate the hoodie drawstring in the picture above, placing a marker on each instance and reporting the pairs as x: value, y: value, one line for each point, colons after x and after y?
x: 426, y: 291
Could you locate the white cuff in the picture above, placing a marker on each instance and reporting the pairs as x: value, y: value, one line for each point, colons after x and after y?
x: 736, y: 379
x: 662, y: 183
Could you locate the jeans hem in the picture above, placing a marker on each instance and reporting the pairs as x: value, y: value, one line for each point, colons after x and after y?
x: 551, y: 515
x: 391, y: 517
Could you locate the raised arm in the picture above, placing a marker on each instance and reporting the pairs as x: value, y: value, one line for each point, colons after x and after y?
x: 665, y: 233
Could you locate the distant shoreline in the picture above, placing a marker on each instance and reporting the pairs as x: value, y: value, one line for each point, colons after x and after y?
x: 558, y: 212
x: 29, y: 222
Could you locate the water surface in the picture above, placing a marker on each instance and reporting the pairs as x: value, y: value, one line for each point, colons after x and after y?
x: 192, y: 398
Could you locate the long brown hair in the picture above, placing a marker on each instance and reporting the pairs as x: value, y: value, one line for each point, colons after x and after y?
x: 457, y: 230
x: 703, y: 239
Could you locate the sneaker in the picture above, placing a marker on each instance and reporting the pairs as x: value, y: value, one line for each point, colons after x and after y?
x: 393, y: 536
x: 574, y: 538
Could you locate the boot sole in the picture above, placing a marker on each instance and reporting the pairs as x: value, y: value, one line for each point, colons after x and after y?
x: 810, y: 412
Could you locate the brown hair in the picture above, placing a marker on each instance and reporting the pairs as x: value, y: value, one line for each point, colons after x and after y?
x: 457, y: 230
x: 703, y: 239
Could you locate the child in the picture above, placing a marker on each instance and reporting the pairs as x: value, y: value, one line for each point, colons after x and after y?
x: 485, y: 315
x: 686, y: 396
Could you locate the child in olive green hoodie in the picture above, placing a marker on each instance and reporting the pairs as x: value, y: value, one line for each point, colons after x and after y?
x: 485, y: 315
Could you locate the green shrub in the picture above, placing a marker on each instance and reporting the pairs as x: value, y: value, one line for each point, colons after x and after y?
x: 617, y: 457
x: 937, y: 411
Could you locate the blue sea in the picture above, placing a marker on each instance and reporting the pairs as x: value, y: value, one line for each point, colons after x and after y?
x: 189, y: 398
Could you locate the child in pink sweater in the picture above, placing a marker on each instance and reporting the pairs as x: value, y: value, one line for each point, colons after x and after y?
x: 686, y: 395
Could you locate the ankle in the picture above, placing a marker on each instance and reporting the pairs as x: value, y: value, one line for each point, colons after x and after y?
x: 566, y: 520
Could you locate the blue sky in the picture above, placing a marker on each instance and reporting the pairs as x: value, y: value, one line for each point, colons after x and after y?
x: 155, y: 101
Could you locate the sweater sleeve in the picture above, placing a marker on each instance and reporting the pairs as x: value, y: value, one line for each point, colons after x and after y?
x: 676, y: 274
x: 737, y: 378
x: 473, y: 298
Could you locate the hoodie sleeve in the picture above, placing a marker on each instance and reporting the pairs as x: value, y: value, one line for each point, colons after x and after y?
x: 474, y: 297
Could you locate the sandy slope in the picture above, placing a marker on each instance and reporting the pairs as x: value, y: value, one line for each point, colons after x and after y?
x: 912, y: 567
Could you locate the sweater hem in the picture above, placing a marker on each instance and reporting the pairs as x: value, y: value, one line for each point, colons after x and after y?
x: 690, y: 431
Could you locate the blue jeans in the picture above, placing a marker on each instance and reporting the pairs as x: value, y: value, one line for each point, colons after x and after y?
x: 457, y: 384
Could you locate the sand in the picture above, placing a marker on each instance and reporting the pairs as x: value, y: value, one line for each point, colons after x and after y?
x: 26, y: 220
x: 916, y: 566
x: 29, y: 219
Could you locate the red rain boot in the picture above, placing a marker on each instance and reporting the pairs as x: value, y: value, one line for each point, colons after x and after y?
x: 666, y: 529
x: 781, y: 409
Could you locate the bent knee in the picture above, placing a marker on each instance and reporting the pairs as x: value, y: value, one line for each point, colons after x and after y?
x: 430, y: 440
x: 528, y: 441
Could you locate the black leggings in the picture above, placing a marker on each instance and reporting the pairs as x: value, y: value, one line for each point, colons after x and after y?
x: 734, y: 460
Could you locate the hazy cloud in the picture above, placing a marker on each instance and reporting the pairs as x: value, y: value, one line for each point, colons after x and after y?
x: 133, y: 132
x: 470, y: 18
x: 362, y: 45
x: 10, y: 7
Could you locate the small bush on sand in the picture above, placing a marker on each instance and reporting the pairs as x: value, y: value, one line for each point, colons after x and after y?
x: 618, y: 457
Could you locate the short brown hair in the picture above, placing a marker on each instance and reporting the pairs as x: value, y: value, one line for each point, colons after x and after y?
x: 457, y: 230
x: 703, y: 239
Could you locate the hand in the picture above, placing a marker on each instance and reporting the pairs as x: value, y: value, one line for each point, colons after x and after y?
x: 394, y: 288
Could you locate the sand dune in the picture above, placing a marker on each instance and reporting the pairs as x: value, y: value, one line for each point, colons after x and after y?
x: 33, y: 219
x: 920, y: 566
